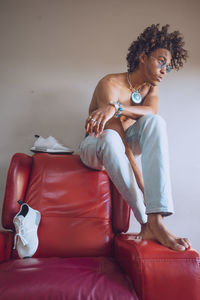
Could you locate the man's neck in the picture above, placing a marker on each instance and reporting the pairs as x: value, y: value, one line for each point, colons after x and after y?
x: 136, y: 78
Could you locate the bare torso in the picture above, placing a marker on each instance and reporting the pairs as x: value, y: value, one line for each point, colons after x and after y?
x: 120, y: 86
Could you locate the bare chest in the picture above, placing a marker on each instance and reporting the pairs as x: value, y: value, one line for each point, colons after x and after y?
x: 125, y: 95
x: 125, y: 99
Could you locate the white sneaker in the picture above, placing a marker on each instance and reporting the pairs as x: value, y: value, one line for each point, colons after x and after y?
x: 49, y: 145
x: 26, y: 224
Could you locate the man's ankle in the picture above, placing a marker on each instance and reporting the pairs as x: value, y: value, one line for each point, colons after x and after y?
x: 155, y: 218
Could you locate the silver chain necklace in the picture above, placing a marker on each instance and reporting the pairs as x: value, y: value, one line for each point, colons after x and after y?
x: 136, y: 97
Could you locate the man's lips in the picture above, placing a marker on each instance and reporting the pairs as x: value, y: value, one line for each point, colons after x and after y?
x: 159, y: 78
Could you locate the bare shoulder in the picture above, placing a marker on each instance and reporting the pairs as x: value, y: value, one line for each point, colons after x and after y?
x: 108, y: 88
x: 111, y: 81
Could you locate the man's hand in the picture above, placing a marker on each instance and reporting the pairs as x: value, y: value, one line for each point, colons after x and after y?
x: 98, y: 118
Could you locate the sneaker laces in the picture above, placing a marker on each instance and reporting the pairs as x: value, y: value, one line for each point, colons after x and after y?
x: 20, y: 232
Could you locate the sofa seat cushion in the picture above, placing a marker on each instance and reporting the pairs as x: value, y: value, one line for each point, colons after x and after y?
x: 56, y: 278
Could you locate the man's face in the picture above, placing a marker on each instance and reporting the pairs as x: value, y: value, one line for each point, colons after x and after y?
x: 156, y: 65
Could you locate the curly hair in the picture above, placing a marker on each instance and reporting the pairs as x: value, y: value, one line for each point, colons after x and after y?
x: 151, y: 39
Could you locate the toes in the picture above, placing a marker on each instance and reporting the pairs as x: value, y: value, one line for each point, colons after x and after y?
x: 188, y: 242
x: 178, y: 247
x: 174, y: 245
x: 185, y: 242
x: 138, y: 237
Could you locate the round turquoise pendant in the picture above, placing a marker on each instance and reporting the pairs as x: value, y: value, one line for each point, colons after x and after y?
x: 136, y: 97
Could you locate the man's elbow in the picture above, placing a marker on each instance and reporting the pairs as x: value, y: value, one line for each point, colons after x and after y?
x: 153, y: 110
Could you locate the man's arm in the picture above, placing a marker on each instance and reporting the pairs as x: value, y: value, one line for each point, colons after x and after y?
x: 107, y: 90
x: 150, y: 106
x: 100, y: 109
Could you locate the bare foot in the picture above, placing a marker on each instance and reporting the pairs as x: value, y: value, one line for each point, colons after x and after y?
x: 155, y: 230
x: 143, y: 232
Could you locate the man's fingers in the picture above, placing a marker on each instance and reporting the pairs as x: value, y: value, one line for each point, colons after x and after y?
x: 86, y: 126
x: 95, y: 123
x: 89, y: 124
x: 92, y: 125
x: 97, y: 126
x: 102, y: 125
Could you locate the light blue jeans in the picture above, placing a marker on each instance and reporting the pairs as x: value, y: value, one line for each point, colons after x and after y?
x: 147, y: 136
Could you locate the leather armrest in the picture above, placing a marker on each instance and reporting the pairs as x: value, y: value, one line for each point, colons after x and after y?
x: 6, y: 241
x: 158, y: 272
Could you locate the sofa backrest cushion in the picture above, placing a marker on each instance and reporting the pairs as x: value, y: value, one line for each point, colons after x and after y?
x: 75, y: 206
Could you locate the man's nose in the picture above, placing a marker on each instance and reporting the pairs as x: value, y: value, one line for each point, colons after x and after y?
x: 163, y: 70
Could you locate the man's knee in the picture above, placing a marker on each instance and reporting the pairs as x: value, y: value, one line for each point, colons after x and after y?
x: 152, y: 121
x: 110, y: 140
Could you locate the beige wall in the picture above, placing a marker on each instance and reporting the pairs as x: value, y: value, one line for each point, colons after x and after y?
x: 53, y: 53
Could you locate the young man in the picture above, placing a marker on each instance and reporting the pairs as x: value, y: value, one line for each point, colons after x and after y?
x: 123, y: 122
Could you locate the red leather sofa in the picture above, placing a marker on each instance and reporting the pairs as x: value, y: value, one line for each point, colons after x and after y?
x: 84, y: 252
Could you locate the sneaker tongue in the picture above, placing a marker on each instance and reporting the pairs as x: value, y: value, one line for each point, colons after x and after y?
x: 51, y: 141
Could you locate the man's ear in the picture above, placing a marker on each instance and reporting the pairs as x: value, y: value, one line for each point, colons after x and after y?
x: 142, y: 57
